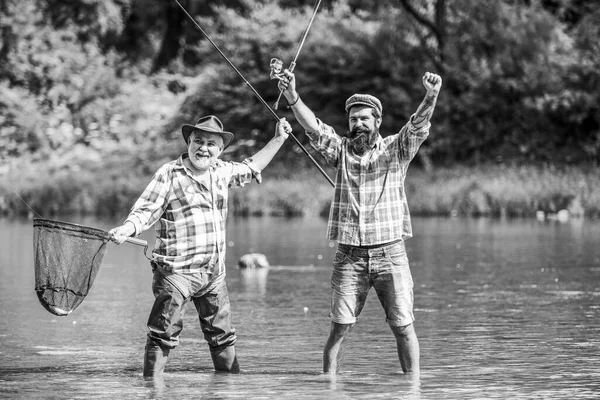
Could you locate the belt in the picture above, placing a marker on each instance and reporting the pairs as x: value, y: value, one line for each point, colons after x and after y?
x: 377, y: 250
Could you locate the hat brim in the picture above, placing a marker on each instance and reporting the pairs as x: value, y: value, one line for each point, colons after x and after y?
x: 187, y: 130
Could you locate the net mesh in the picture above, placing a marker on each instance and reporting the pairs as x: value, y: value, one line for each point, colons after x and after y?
x: 67, y: 258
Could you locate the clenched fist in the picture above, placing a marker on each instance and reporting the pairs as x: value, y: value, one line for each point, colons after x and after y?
x: 432, y: 83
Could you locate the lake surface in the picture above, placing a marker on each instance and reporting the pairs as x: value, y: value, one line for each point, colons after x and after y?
x: 505, y: 309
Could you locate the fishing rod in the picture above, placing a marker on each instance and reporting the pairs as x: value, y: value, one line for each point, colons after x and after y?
x: 258, y: 96
x: 277, y: 62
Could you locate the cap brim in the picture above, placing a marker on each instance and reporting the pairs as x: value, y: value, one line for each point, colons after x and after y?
x: 360, y: 103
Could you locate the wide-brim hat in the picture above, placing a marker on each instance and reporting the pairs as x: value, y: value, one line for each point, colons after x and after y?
x: 210, y: 124
x: 359, y: 99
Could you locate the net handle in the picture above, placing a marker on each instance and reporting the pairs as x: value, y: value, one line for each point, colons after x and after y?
x: 138, y: 242
x: 141, y: 243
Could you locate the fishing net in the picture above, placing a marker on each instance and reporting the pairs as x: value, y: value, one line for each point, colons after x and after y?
x: 67, y: 258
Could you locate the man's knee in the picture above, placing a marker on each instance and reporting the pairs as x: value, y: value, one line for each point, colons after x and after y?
x: 221, y: 342
x: 158, y: 342
x: 403, y: 330
x: 339, y: 331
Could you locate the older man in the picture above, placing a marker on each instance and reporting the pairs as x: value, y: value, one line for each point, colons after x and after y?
x: 187, y: 200
x: 369, y: 215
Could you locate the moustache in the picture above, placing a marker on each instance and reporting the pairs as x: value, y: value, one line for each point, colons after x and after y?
x: 354, y: 132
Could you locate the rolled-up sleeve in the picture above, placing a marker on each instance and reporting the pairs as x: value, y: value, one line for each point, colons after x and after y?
x: 410, y: 139
x: 151, y: 204
x: 239, y: 174
x: 326, y: 141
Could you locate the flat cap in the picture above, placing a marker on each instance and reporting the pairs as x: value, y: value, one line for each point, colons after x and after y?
x: 358, y: 99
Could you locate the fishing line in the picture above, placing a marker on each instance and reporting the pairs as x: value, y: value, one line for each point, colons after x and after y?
x: 258, y: 96
x: 23, y: 200
x: 304, y: 35
x: 135, y: 241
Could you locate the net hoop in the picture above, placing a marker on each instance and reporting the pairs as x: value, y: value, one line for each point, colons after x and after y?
x: 67, y: 259
x: 70, y: 227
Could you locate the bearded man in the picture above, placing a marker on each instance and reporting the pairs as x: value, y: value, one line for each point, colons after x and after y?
x: 186, y: 201
x: 369, y: 216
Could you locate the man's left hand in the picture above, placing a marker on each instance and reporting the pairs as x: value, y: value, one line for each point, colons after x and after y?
x: 432, y: 83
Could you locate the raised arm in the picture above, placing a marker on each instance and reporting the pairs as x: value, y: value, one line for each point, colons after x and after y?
x: 433, y: 84
x: 303, y: 114
x: 264, y: 156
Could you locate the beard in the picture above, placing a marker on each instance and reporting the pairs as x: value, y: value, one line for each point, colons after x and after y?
x: 200, y: 162
x: 362, y: 139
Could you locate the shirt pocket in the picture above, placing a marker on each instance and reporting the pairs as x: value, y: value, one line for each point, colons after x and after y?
x: 196, y: 197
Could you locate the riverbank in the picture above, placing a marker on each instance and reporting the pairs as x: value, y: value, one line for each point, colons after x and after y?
x: 502, y: 191
x: 496, y: 191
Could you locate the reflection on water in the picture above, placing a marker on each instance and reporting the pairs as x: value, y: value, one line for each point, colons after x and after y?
x: 254, y: 281
x: 505, y: 309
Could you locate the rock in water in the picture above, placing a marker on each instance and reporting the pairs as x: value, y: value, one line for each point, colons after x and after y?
x: 253, y: 260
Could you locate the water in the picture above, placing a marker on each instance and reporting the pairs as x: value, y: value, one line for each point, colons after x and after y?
x: 505, y: 309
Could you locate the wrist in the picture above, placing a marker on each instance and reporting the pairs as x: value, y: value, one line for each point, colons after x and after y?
x: 295, y: 98
x: 130, y: 229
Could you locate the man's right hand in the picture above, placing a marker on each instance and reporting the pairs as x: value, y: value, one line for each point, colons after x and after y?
x: 121, y: 233
x: 287, y: 84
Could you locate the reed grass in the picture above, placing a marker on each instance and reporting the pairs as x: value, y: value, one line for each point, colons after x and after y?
x: 518, y: 191
x: 496, y: 191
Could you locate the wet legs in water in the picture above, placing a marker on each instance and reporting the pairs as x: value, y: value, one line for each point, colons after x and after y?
x: 225, y: 360
x: 334, y: 352
x: 408, y: 348
x: 406, y: 343
x: 155, y: 359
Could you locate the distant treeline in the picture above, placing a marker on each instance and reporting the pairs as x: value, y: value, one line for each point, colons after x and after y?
x: 521, y: 77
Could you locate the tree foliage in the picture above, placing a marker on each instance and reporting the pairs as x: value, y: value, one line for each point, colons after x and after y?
x: 521, y: 77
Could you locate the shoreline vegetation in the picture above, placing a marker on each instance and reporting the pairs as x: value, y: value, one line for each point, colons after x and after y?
x: 490, y: 191
x: 94, y: 94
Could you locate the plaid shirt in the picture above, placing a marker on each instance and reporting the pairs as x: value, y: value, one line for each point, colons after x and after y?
x: 190, y: 218
x: 369, y: 205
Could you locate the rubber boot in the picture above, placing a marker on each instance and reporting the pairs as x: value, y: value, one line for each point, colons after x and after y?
x: 155, y: 359
x: 225, y: 360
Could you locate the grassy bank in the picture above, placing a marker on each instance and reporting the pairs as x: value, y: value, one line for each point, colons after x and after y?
x: 484, y: 191
x: 505, y: 191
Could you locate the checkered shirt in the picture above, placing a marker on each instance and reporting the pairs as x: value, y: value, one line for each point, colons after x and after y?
x: 190, y: 218
x: 369, y: 205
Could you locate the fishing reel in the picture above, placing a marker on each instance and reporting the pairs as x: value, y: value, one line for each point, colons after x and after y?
x: 276, y: 73
x: 276, y: 69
